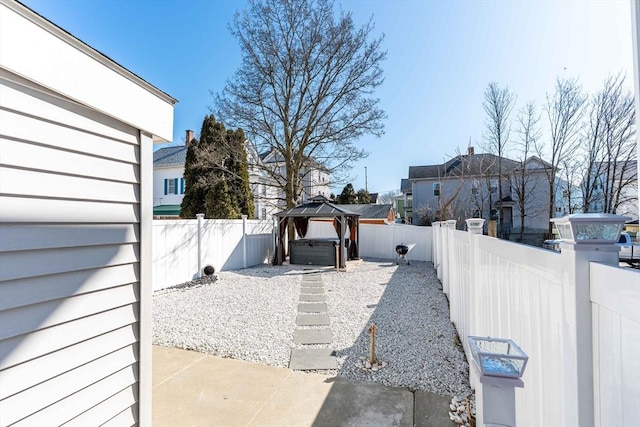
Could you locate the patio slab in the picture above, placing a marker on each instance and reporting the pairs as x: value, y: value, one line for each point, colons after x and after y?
x: 303, y: 359
x: 356, y: 403
x: 432, y: 410
x: 312, y: 319
x: 318, y: 290
x: 312, y: 336
x: 312, y: 298
x: 312, y: 307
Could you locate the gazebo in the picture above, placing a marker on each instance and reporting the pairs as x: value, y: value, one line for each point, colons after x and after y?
x: 320, y: 207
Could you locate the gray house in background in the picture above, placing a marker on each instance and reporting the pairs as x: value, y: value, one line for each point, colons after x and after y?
x: 76, y: 142
x: 468, y: 186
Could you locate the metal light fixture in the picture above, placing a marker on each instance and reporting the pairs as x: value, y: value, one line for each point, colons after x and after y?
x: 590, y: 227
x: 498, y: 357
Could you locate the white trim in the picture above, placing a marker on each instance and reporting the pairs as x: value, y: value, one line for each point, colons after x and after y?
x: 27, y: 40
x: 635, y: 36
x: 146, y: 231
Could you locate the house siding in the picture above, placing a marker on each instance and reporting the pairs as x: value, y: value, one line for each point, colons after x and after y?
x: 69, y: 260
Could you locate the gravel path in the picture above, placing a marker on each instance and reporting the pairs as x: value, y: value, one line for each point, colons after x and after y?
x: 250, y: 315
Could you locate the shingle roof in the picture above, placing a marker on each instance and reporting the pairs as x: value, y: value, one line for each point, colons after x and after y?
x: 463, y: 165
x: 170, y: 156
x: 369, y: 210
x: 317, y: 207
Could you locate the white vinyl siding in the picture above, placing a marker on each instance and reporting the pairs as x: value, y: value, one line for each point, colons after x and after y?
x: 69, y: 261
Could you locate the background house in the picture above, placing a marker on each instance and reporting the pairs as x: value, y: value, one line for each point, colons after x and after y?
x: 468, y: 186
x: 77, y: 133
x: 169, y: 184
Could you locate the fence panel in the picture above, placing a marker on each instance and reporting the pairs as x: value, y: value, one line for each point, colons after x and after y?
x: 175, y: 247
x: 615, y: 302
x: 379, y: 241
x: 460, y: 284
x: 518, y: 295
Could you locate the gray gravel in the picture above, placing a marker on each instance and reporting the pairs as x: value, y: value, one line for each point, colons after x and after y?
x: 250, y: 315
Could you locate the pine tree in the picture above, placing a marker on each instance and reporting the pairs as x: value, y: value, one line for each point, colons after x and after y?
x: 218, y: 156
x: 219, y: 204
x: 363, y: 196
x: 348, y: 195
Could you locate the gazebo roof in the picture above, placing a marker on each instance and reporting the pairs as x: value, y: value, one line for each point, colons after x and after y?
x: 319, y: 206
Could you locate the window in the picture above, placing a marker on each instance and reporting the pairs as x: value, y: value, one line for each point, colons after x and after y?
x: 181, y: 185
x: 475, y: 187
x: 264, y: 189
x: 436, y: 189
x: 558, y: 209
x: 171, y: 186
x: 493, y: 188
x: 264, y: 213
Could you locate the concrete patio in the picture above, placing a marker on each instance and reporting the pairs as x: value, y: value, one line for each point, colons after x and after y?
x: 195, y: 389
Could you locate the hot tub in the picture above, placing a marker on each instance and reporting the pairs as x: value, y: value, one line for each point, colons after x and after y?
x: 313, y: 251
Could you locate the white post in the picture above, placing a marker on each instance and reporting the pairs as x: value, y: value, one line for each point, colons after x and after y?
x: 434, y: 244
x: 475, y: 227
x: 635, y: 36
x: 578, y: 350
x: 200, y: 216
x: 496, y: 399
x: 450, y: 226
x: 244, y: 241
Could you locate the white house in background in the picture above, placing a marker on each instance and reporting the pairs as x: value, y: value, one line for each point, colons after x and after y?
x: 608, y: 179
x: 168, y: 179
x: 315, y: 181
x: 76, y: 142
x: 169, y: 185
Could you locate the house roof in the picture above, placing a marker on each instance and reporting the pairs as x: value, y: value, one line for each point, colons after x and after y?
x: 166, y: 210
x: 170, y: 156
x: 463, y: 165
x: 369, y: 210
x: 405, y: 185
x: 319, y: 206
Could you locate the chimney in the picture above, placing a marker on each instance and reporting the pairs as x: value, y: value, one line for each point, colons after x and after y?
x: 470, y: 151
x: 187, y: 142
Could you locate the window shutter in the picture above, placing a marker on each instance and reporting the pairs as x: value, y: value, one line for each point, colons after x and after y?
x: 181, y: 185
x: 175, y: 186
x: 166, y: 186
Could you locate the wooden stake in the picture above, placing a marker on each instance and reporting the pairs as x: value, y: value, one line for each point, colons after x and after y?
x: 372, y: 344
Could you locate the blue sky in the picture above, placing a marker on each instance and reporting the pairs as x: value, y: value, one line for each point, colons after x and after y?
x: 441, y: 57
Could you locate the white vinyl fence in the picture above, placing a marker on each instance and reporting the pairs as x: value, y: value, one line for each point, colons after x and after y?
x: 380, y: 240
x: 538, y: 298
x: 224, y: 244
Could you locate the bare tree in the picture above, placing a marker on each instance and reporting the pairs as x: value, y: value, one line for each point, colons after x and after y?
x: 305, y: 87
x: 570, y: 174
x: 498, y: 103
x: 524, y: 186
x: 610, y: 149
x: 564, y: 111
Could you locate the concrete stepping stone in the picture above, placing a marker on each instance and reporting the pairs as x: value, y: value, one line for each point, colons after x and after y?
x: 312, y: 308
x: 312, y: 319
x: 312, y: 285
x: 319, y: 290
x: 312, y: 298
x: 312, y: 358
x: 312, y: 336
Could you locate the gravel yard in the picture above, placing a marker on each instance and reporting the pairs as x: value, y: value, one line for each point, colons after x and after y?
x: 250, y: 315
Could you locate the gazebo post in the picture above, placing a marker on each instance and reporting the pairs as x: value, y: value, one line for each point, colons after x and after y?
x: 343, y: 226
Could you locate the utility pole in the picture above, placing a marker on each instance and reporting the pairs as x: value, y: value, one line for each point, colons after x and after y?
x: 365, y: 179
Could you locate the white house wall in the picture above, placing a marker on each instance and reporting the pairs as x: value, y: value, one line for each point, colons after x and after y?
x: 70, y: 259
x: 159, y: 175
x: 76, y: 135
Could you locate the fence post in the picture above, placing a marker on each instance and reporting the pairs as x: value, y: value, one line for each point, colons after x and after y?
x: 200, y: 217
x: 475, y: 226
x: 451, y: 225
x: 577, y: 254
x: 244, y: 241
x: 434, y: 245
